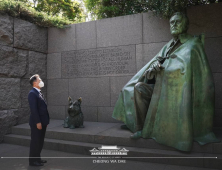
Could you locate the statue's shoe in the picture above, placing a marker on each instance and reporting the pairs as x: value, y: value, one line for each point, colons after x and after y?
x: 72, y: 127
x: 124, y: 127
x: 136, y: 135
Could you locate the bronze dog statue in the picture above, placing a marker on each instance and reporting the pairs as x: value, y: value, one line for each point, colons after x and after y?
x: 75, y: 118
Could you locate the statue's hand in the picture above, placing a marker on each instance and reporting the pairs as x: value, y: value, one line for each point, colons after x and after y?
x: 148, y: 74
x: 154, y: 68
x: 157, y: 66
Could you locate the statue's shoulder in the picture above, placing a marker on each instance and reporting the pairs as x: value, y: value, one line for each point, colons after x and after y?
x: 200, y: 38
x: 197, y: 39
x: 196, y: 44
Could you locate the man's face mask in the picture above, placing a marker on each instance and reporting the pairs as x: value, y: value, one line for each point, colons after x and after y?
x: 41, y: 84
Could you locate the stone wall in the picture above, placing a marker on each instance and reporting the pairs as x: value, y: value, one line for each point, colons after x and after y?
x: 94, y: 60
x: 23, y: 52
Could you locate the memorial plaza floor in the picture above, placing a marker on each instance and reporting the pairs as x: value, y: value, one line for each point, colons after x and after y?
x: 69, y: 149
x: 9, y: 150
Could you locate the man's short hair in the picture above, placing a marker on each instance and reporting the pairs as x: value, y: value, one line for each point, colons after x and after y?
x: 33, y: 78
x: 184, y: 17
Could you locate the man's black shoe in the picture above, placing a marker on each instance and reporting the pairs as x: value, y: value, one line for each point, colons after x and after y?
x: 43, y: 161
x: 35, y: 164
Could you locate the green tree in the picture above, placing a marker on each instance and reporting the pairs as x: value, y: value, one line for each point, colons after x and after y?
x: 60, y: 15
x: 67, y: 8
x: 164, y: 8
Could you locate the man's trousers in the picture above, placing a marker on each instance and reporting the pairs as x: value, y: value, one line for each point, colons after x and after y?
x: 36, y: 144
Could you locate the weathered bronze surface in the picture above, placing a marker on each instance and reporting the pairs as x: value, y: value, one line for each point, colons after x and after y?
x: 75, y: 118
x: 171, y: 99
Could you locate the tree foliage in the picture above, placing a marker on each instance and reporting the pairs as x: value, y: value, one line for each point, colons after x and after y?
x: 164, y: 8
x: 68, y: 9
x: 24, y: 10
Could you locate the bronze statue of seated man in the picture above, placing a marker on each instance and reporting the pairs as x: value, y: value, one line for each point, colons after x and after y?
x: 171, y: 99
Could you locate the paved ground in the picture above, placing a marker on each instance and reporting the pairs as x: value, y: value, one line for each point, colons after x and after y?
x: 8, y: 150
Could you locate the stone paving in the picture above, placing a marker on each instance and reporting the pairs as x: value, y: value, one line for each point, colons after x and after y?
x: 74, y: 163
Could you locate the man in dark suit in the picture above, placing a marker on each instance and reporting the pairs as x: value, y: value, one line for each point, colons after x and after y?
x: 38, y: 121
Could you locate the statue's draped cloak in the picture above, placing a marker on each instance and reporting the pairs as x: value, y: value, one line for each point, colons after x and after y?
x: 182, y: 105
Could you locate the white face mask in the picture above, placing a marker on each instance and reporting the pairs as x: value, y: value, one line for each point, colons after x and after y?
x: 41, y: 84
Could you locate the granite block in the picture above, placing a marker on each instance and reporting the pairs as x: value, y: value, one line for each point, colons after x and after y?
x: 23, y: 115
x: 208, y: 148
x: 90, y: 113
x: 54, y: 123
x: 205, y: 19
x: 151, y: 144
x: 37, y: 64
x: 6, y: 30
x: 57, y: 92
x: 22, y: 131
x: 94, y: 91
x: 62, y: 39
x: 214, y: 53
x: 11, y: 140
x: 50, y: 145
x: 115, y: 135
x: 67, y: 136
x: 218, y: 90
x: 54, y: 65
x: 146, y: 52
x: 30, y: 36
x: 86, y: 35
x: 105, y: 115
x: 56, y: 112
x: 117, y: 31
x: 25, y: 88
x: 110, y: 61
x: 10, y: 93
x: 117, y: 83
x: 13, y: 62
x: 155, y: 29
x: 7, y: 120
x: 91, y: 128
x: 218, y: 118
x: 217, y: 148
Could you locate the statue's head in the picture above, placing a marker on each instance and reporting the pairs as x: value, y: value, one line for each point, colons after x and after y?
x: 74, y: 107
x: 179, y: 23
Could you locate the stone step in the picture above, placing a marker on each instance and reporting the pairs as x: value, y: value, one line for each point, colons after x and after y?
x: 107, y: 134
x: 203, y: 160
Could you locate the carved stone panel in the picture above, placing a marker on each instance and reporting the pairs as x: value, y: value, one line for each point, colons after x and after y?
x: 110, y: 61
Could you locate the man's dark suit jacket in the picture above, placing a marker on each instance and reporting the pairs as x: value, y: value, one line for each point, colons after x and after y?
x: 38, y: 107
